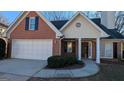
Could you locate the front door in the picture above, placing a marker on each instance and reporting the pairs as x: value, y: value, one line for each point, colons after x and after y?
x: 84, y: 50
x: 115, y: 50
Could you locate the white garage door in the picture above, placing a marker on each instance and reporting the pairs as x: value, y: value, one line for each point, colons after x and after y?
x: 31, y: 49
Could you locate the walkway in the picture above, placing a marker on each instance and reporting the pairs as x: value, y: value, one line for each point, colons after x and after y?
x: 21, y: 69
x: 90, y: 69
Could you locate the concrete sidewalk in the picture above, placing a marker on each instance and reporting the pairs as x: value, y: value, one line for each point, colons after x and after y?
x: 90, y: 69
x: 13, y: 77
x: 22, y: 70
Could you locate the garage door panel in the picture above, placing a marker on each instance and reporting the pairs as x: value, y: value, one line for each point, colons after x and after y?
x: 31, y: 49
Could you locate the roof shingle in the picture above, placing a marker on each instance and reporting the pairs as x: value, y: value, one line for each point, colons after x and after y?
x: 112, y: 32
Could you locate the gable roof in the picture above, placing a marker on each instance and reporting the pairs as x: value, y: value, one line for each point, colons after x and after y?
x: 80, y: 13
x: 113, y: 34
x: 59, y: 24
x: 3, y: 25
x: 24, y: 14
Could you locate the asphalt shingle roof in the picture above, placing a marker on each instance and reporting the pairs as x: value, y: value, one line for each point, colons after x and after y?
x: 58, y: 24
x: 1, y: 24
x: 112, y: 32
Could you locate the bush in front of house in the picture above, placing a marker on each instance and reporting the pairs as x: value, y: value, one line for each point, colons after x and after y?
x: 61, y: 61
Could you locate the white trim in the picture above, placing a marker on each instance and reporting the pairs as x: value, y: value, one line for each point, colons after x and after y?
x: 98, y: 50
x: 107, y: 57
x: 15, y: 20
x: 79, y: 49
x: 80, y: 13
x: 114, y: 40
x: 58, y: 33
x: 12, y: 27
x: 9, y: 30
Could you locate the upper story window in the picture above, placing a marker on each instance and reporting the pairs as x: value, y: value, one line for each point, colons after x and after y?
x: 32, y: 23
x: 78, y: 24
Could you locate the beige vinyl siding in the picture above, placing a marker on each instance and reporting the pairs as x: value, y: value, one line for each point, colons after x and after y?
x: 87, y: 30
x: 102, y: 49
x: 106, y: 48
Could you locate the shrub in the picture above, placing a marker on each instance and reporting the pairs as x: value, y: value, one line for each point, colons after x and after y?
x: 80, y: 62
x: 61, y: 61
x: 70, y: 60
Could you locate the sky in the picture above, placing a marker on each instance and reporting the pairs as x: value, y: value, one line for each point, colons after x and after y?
x: 10, y: 15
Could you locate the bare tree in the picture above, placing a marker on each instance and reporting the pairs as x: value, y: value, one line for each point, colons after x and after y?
x: 98, y: 14
x: 93, y: 14
x: 119, y: 23
x: 87, y: 13
x: 58, y: 15
x: 3, y: 19
x: 65, y: 15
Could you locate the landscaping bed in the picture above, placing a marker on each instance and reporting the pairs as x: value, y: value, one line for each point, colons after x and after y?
x: 74, y: 66
x: 63, y: 62
x: 112, y: 61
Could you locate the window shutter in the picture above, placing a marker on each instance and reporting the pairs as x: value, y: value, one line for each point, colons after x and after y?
x: 27, y: 23
x: 36, y: 22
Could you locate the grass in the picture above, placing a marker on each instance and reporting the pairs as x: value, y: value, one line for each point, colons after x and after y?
x: 108, y: 72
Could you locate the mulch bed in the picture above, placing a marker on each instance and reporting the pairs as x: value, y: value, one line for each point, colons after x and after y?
x: 112, y: 61
x: 75, y: 66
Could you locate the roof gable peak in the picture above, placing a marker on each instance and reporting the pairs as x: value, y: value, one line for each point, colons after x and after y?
x: 23, y: 14
x: 89, y: 20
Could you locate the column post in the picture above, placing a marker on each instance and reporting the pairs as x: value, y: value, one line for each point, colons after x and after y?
x: 98, y: 50
x: 79, y: 48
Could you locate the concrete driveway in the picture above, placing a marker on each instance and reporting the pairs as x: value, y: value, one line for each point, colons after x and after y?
x: 21, y: 67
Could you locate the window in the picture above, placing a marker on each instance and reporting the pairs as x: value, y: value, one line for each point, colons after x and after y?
x: 108, y: 50
x: 32, y: 23
x: 78, y: 24
x: 69, y: 47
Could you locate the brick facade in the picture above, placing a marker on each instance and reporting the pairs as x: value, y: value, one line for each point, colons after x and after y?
x: 43, y: 32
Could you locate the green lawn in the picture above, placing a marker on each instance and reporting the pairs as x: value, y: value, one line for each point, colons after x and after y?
x: 108, y: 72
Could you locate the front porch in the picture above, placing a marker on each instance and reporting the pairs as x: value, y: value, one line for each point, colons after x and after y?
x: 88, y: 48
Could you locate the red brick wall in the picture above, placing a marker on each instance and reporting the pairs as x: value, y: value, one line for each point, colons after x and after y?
x: 56, y: 47
x: 43, y: 32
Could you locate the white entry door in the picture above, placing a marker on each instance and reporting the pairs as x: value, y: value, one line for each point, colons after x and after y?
x: 31, y: 48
